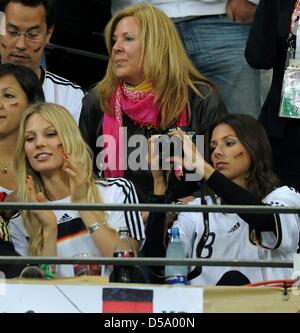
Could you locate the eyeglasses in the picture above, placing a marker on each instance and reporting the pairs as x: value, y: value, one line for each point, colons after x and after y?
x: 30, y: 36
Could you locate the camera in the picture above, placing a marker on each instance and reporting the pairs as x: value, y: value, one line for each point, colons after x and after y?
x: 169, y: 146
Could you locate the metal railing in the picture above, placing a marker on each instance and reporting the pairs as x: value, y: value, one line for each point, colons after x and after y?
x: 79, y: 52
x: 148, y: 207
x: 153, y: 208
x: 143, y: 261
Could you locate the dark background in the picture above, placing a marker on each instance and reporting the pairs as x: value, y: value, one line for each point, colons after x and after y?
x: 79, y: 25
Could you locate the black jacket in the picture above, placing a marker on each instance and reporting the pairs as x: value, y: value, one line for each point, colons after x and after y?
x: 267, y: 48
x: 204, y: 111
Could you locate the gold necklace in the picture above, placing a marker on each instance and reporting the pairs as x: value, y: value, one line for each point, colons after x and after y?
x: 4, y: 167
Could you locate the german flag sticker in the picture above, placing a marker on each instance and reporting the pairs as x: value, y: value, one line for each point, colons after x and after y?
x: 127, y: 300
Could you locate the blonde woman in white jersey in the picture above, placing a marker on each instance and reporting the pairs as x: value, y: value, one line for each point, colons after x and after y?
x: 54, y: 164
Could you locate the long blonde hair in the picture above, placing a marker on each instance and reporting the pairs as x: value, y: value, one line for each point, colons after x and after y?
x: 73, y: 143
x: 163, y: 59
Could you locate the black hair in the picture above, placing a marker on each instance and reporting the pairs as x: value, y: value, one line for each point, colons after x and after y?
x: 49, y: 5
x: 27, y: 79
x: 261, y: 179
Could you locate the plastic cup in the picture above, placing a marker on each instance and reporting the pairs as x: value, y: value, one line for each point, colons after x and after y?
x: 86, y: 269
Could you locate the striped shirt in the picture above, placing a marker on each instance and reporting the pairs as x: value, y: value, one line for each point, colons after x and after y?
x: 230, y: 238
x: 62, y: 91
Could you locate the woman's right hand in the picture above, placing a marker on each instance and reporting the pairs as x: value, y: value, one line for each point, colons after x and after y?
x: 192, y: 159
x: 46, y: 218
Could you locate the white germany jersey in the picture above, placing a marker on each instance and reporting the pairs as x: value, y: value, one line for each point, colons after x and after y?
x: 62, y: 91
x: 73, y: 237
x: 230, y: 239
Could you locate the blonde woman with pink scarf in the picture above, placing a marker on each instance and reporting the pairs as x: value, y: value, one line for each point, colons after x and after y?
x: 150, y: 86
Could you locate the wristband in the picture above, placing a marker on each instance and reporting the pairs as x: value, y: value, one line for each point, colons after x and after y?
x: 94, y: 227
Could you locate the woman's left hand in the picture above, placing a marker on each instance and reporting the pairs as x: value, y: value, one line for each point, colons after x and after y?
x: 73, y: 166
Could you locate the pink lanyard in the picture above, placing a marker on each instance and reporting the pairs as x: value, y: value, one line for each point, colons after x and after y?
x: 295, y: 18
x: 294, y: 35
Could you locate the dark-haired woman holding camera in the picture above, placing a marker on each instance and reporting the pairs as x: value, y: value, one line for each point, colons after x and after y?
x: 239, y: 172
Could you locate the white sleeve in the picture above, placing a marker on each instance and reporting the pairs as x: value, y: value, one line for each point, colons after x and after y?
x: 18, y: 235
x: 125, y: 193
x: 286, y: 238
x: 74, y: 98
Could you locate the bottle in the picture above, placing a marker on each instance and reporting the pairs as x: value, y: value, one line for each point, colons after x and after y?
x: 175, y: 274
x: 123, y: 249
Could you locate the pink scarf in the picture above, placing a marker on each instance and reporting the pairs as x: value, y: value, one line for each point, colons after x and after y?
x: 139, y: 106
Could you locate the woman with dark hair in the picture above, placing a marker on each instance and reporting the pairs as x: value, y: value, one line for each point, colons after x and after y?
x: 19, y: 87
x: 27, y: 80
x: 239, y: 172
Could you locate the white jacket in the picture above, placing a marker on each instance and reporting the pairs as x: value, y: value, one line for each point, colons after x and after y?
x: 180, y: 8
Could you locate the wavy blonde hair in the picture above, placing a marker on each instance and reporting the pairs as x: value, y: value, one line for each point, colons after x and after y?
x: 163, y: 59
x: 72, y: 142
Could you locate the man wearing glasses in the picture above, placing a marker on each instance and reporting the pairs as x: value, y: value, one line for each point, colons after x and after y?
x: 28, y: 28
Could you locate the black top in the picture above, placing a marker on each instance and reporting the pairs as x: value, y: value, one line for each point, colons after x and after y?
x: 267, y: 48
x: 230, y: 192
x: 204, y: 111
